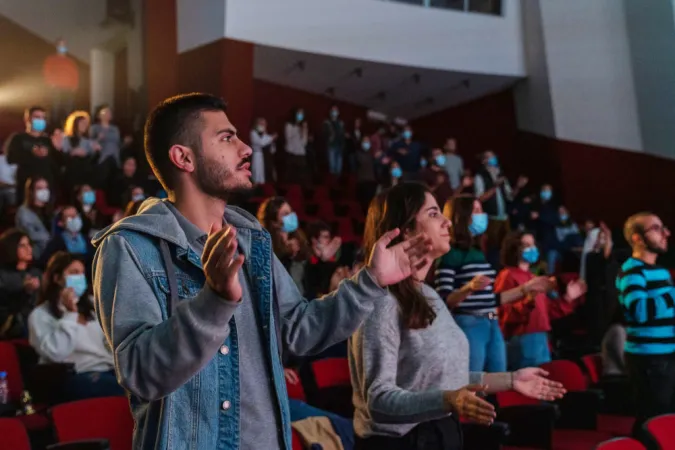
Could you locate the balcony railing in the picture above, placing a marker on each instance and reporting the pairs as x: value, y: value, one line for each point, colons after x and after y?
x: 493, y: 7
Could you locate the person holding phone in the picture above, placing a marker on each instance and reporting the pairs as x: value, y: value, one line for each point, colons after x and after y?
x: 63, y: 329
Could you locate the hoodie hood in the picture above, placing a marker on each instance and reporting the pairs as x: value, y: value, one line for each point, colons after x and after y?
x: 154, y: 218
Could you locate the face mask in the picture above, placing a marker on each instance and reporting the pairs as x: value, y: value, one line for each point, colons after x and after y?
x: 546, y: 195
x: 138, y: 198
x: 89, y: 198
x: 260, y: 128
x: 407, y: 135
x: 440, y: 160
x: 365, y: 146
x: 74, y: 224
x: 479, y: 223
x: 42, y: 195
x: 530, y: 255
x: 334, y: 114
x: 493, y: 161
x: 62, y: 49
x: 78, y: 283
x: 299, y: 117
x: 38, y: 124
x: 564, y: 217
x: 86, y: 208
x: 423, y: 163
x: 289, y: 223
x: 396, y: 172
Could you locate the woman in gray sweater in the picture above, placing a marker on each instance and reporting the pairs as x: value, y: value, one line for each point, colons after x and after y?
x: 409, y: 361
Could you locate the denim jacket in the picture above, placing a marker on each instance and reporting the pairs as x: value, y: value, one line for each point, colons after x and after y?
x: 180, y: 365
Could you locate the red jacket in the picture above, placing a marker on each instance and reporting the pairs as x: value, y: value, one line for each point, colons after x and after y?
x: 528, y: 315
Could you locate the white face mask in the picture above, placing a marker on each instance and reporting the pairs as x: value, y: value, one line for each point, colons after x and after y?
x: 42, y: 195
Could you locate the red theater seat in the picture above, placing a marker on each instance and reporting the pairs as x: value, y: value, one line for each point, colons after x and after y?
x: 662, y: 429
x: 296, y: 391
x: 14, y: 435
x: 623, y: 443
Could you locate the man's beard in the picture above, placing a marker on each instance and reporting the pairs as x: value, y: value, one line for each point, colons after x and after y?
x: 653, y: 248
x: 213, y: 179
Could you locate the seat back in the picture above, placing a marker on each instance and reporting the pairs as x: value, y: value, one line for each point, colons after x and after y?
x: 14, y: 435
x: 98, y: 418
x: 661, y: 428
x: 296, y: 391
x: 9, y: 362
x: 331, y: 372
x: 97, y: 444
x: 568, y: 373
x: 593, y: 366
x: 623, y: 443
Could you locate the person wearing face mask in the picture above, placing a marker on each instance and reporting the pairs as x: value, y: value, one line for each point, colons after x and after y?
x: 120, y: 185
x: 335, y: 138
x: 568, y: 241
x: 34, y: 216
x: 436, y: 177
x: 63, y: 329
x: 407, y: 153
x: 454, y: 164
x: 545, y: 217
x: 32, y: 151
x: 69, y: 238
x: 366, y: 183
x: 263, y: 146
x: 393, y: 177
x: 296, y: 133
x: 85, y: 202
x: 353, y: 145
x: 526, y: 323
x: 62, y: 76
x: 464, y: 279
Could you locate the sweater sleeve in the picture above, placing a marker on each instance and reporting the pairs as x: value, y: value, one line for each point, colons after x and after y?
x: 53, y: 339
x: 512, y: 315
x: 374, y: 358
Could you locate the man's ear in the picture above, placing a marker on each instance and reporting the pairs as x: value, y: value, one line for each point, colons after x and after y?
x: 183, y: 158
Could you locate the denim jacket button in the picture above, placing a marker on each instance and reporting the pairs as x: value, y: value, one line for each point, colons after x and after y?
x: 224, y: 350
x: 226, y: 405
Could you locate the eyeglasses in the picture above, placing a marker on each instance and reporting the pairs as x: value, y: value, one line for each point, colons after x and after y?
x: 658, y: 228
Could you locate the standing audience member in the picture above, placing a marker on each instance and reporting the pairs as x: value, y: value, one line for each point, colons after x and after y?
x: 647, y: 296
x: 19, y: 284
x: 407, y: 153
x: 366, y: 183
x: 296, y: 133
x: 35, y: 215
x: 464, y: 281
x: 32, y: 151
x: 80, y: 152
x: 7, y: 184
x: 454, y: 164
x: 107, y: 136
x: 353, y: 145
x: 62, y: 77
x: 545, y: 217
x: 568, y: 241
x: 63, y: 329
x: 526, y: 323
x: 409, y: 361
x: 334, y: 136
x: 264, y: 148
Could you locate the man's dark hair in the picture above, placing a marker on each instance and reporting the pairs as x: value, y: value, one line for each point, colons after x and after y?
x: 176, y: 121
x: 28, y: 113
x: 315, y: 229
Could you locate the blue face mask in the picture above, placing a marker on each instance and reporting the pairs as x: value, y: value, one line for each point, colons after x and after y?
x: 564, y: 217
x: 396, y: 172
x: 479, y: 224
x: 289, y: 222
x: 89, y: 198
x: 440, y: 160
x: 493, y: 161
x: 423, y: 163
x: 334, y: 114
x: 530, y: 255
x: 299, y: 117
x: 62, y: 49
x: 546, y: 195
x: 38, y: 124
x: 78, y: 283
x: 138, y: 198
x: 365, y: 146
x: 74, y: 224
x: 407, y: 135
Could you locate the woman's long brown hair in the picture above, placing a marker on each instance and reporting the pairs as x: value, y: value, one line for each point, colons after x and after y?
x: 459, y: 210
x: 397, y: 208
x: 51, y: 289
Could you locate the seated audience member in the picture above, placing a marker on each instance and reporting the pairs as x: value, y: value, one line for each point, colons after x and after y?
x: 436, y: 177
x: 81, y: 153
x: 35, y: 215
x: 134, y: 194
x: 85, y: 202
x: 69, y: 238
x: 526, y: 323
x: 323, y: 261
x: 122, y: 182
x: 19, y: 284
x: 7, y: 184
x: 63, y: 329
x: 568, y: 240
x: 393, y: 176
x: 288, y: 241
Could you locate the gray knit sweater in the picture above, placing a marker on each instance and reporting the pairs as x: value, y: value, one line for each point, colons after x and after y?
x: 399, y: 375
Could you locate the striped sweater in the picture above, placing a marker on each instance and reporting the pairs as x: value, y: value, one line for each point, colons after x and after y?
x: 647, y: 296
x: 457, y: 268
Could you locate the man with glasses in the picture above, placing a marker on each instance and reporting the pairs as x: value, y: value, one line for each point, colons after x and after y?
x: 647, y: 297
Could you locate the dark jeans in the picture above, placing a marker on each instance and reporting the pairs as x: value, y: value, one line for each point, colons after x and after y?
x: 653, y: 380
x: 441, y: 434
x: 85, y: 385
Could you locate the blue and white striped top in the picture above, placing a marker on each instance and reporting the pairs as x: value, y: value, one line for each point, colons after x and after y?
x: 457, y: 268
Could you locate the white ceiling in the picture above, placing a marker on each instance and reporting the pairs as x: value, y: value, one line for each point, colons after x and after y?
x: 404, y: 97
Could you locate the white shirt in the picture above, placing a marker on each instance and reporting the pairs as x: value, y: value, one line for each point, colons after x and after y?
x: 296, y: 140
x: 65, y: 340
x: 7, y: 171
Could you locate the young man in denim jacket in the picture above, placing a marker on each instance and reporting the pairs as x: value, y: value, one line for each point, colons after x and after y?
x: 197, y: 308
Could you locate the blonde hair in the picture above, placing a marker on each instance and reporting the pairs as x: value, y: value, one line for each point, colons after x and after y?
x: 69, y: 128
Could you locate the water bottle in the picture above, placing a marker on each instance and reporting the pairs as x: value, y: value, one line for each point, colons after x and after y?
x: 4, y: 389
